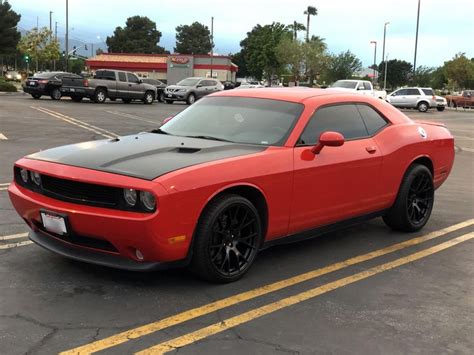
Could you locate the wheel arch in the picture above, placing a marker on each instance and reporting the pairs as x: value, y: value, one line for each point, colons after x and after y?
x: 422, y: 160
x: 252, y: 193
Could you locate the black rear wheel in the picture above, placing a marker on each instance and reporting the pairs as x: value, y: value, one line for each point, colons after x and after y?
x: 148, y: 98
x: 412, y: 208
x: 227, y: 239
x: 55, y: 94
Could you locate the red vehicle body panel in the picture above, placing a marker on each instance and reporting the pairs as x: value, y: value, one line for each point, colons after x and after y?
x: 301, y: 190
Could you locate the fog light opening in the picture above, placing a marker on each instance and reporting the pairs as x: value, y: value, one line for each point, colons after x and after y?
x: 139, y: 255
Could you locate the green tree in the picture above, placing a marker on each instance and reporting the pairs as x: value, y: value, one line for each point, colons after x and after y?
x: 193, y: 39
x: 259, y: 49
x: 310, y: 11
x: 341, y: 66
x: 315, y: 57
x: 138, y: 36
x: 9, y: 35
x: 460, y: 72
x: 39, y: 46
x: 295, y: 27
x: 290, y: 53
x: 438, y: 79
x: 239, y: 60
x: 399, y: 71
x: 424, y: 76
x: 77, y: 65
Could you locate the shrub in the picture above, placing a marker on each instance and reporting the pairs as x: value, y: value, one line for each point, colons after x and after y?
x: 7, y: 87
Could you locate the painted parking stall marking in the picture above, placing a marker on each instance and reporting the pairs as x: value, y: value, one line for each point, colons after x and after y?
x: 185, y: 316
x: 74, y: 121
x: 133, y: 117
x: 3, y: 137
x: 8, y: 238
x: 4, y: 186
x: 216, y: 328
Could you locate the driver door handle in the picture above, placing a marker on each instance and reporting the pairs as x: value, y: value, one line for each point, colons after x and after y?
x: 371, y: 149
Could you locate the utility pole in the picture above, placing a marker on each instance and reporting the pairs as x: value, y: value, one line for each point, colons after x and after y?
x: 36, y: 49
x: 375, y: 59
x: 55, y: 38
x: 212, y: 43
x: 67, y: 35
x: 383, y: 54
x: 416, y: 38
x: 92, y: 50
x: 385, y: 75
x: 50, y: 32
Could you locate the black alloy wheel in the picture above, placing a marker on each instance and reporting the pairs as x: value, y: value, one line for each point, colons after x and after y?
x: 412, y: 208
x: 55, y: 94
x: 227, y: 240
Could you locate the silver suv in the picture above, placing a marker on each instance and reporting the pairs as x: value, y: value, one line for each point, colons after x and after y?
x: 419, y: 98
x: 191, y: 89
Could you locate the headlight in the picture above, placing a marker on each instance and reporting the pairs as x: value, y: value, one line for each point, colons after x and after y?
x: 130, y: 196
x: 36, y: 177
x: 148, y: 200
x: 24, y: 175
x: 182, y: 90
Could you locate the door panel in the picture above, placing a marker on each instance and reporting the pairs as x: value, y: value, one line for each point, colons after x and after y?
x: 336, y: 184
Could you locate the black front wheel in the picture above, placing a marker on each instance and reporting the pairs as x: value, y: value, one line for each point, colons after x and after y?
x: 227, y: 239
x: 412, y: 208
x: 55, y: 94
x: 148, y: 98
x: 100, y: 96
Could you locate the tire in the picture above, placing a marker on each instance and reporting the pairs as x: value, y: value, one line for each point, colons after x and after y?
x: 100, y: 96
x: 161, y: 97
x: 169, y: 102
x: 191, y: 99
x: 55, y: 94
x: 227, y: 239
x: 440, y: 109
x: 423, y: 106
x: 36, y: 96
x: 126, y: 101
x: 414, y: 202
x: 148, y: 98
x: 76, y: 98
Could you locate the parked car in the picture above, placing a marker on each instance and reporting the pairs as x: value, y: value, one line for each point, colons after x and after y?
x: 441, y: 103
x: 231, y: 175
x: 465, y: 99
x: 12, y: 76
x: 421, y: 99
x: 112, y: 84
x: 160, y: 88
x: 250, y: 85
x: 192, y: 89
x: 46, y: 83
x: 363, y: 87
x: 228, y: 85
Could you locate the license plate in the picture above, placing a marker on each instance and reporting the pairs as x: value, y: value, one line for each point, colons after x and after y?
x: 54, y: 223
x: 72, y: 90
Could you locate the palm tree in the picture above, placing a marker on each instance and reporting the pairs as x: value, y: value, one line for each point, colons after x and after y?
x: 310, y: 11
x: 295, y: 27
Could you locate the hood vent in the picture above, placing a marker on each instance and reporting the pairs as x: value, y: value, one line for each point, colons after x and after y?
x: 187, y: 150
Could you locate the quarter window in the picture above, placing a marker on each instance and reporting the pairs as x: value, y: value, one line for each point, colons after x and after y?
x: 372, y: 119
x: 428, y: 92
x: 344, y: 119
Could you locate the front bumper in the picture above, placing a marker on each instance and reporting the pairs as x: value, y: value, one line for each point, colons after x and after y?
x: 101, y: 235
x: 175, y: 96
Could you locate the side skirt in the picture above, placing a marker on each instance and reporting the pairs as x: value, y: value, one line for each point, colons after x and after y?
x: 316, y: 232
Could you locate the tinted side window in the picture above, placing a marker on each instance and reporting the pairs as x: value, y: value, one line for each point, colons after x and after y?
x: 132, y: 78
x: 344, y: 119
x: 413, y: 92
x: 99, y: 74
x: 372, y: 119
x: 122, y: 76
x: 108, y: 75
x: 367, y: 86
x: 402, y: 92
x: 205, y: 83
x: 428, y: 92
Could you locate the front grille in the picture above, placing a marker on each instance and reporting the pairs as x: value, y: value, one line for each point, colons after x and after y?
x: 439, y: 100
x: 79, y: 192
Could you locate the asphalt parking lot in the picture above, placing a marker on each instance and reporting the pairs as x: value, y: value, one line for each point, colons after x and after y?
x: 362, y: 290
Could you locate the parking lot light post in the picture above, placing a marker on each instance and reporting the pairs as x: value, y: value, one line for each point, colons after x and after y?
x: 67, y: 35
x: 383, y: 54
x: 212, y: 42
x: 416, y: 39
x: 375, y: 59
x: 385, y: 74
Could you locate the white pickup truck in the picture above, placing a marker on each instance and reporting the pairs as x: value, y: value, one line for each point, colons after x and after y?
x: 363, y: 87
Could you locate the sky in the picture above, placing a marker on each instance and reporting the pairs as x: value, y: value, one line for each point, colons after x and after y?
x: 446, y: 27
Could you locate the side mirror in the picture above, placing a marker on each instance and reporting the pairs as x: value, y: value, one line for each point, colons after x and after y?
x: 167, y: 119
x: 140, y: 81
x: 199, y: 85
x: 328, y: 139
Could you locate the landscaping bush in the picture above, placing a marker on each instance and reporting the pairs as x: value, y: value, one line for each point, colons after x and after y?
x: 6, y: 87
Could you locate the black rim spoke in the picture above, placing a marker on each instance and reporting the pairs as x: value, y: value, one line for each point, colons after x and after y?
x: 420, y: 198
x: 234, y: 239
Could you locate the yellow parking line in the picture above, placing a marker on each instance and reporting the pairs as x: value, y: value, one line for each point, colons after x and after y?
x: 182, y: 317
x: 14, y: 236
x: 3, y: 188
x: 15, y: 245
x: 215, y: 328
x: 5, y: 184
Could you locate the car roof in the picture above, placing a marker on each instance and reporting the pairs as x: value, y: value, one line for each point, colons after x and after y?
x: 295, y: 94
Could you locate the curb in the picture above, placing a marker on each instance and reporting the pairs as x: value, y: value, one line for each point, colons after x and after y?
x: 17, y: 93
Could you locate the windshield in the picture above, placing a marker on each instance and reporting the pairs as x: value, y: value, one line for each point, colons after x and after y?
x: 188, y: 82
x: 237, y: 119
x: 345, y: 84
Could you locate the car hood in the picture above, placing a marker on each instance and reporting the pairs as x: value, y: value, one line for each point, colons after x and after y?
x: 146, y: 156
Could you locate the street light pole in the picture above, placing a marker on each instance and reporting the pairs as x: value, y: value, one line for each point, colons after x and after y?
x: 385, y: 75
x: 50, y: 30
x: 383, y: 55
x: 212, y: 42
x: 416, y: 38
x: 67, y: 35
x: 375, y: 58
